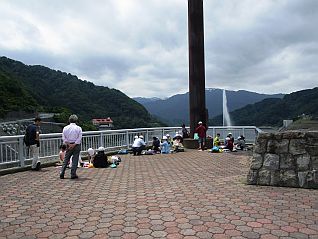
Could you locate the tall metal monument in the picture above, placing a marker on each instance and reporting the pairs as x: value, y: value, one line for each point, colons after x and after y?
x: 198, y: 111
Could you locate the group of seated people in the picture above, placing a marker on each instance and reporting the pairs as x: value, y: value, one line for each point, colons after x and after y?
x: 229, y: 142
x: 97, y: 158
x: 100, y: 159
x: 164, y: 146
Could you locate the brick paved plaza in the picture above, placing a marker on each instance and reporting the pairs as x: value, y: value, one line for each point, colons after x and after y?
x: 184, y: 195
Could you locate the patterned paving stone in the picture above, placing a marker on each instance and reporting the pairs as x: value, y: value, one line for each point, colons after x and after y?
x: 157, y: 196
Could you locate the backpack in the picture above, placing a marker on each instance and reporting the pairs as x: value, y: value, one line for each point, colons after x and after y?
x: 26, y: 138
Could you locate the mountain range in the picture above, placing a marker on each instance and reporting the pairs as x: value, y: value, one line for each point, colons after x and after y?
x: 31, y: 89
x: 272, y: 111
x: 38, y: 88
x: 175, y: 109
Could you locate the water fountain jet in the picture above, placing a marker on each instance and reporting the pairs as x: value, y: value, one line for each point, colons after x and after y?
x: 226, y: 115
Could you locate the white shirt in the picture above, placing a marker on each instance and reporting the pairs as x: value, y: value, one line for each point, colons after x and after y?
x: 138, y: 142
x: 72, y: 133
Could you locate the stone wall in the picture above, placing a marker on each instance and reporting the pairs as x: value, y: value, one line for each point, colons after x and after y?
x: 285, y: 159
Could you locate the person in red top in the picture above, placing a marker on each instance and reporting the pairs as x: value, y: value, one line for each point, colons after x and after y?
x: 201, y: 130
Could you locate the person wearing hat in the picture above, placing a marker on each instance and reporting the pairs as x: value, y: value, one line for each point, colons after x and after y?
x: 241, y: 145
x: 100, y: 159
x: 138, y: 145
x: 201, y: 130
x: 229, y: 142
x: 231, y: 137
x: 165, y: 146
x: 169, y: 140
x: 72, y: 137
x: 177, y: 143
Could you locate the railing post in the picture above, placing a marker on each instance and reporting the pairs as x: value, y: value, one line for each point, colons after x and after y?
x: 127, y: 139
x: 21, y: 152
x: 101, y: 140
x: 147, y: 136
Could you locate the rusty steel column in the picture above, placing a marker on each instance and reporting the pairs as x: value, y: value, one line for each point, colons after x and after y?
x: 198, y: 111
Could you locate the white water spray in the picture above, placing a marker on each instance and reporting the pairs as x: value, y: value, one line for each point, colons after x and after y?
x: 226, y: 115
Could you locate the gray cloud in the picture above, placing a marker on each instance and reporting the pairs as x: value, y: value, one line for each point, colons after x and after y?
x: 265, y: 46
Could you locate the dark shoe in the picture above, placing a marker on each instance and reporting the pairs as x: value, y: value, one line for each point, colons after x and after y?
x: 61, y: 176
x: 37, y: 167
x: 74, y: 177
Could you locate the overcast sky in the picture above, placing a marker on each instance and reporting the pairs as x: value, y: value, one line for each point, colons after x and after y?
x: 141, y: 46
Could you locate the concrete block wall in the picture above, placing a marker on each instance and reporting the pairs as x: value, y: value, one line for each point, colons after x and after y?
x: 285, y: 159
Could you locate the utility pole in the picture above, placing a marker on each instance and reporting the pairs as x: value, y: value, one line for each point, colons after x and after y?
x: 198, y: 112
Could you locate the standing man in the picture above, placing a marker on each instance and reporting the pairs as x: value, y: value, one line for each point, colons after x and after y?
x: 72, y: 137
x: 201, y: 130
x: 32, y: 140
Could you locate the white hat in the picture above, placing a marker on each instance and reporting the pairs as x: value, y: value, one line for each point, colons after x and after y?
x: 140, y: 136
x: 230, y: 133
x: 101, y: 148
x: 167, y: 135
x: 136, y: 137
x: 90, y: 151
x: 164, y: 137
x: 200, y: 122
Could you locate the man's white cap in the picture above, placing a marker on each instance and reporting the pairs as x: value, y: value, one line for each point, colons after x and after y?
x: 101, y: 148
x: 140, y: 136
x: 136, y: 137
x: 200, y: 122
x: 167, y: 135
x: 164, y: 137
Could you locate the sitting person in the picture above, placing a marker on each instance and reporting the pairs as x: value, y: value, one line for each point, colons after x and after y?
x: 91, y: 154
x: 169, y: 140
x: 231, y: 137
x: 177, y: 143
x: 228, y: 144
x: 216, y: 141
x: 240, y: 143
x: 138, y: 145
x: 100, y: 159
x: 165, y: 146
x: 185, y: 133
x: 155, y: 144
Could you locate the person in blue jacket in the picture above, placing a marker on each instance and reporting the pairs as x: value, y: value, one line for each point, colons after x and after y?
x: 165, y: 146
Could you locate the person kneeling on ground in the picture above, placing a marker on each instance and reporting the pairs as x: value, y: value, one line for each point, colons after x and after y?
x: 138, y: 145
x: 100, y: 159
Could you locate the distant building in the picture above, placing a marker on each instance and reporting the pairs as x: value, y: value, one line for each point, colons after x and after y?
x: 103, y: 124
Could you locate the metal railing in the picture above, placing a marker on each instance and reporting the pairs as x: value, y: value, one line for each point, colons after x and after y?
x: 12, y: 149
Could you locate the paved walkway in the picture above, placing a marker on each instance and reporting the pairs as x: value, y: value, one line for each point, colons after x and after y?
x: 185, y: 195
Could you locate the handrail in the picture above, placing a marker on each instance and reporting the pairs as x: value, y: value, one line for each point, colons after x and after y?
x: 109, y: 139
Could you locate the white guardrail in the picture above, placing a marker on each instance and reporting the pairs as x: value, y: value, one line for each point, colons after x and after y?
x: 12, y: 149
